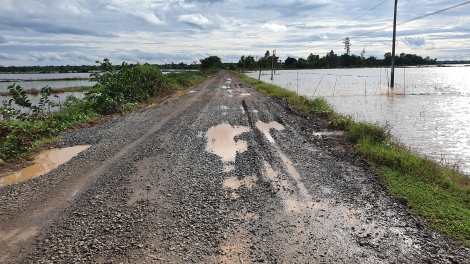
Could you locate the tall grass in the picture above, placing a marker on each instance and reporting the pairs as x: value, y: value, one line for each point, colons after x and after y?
x: 435, y: 191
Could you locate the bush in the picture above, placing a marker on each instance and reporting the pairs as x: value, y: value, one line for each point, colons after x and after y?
x: 126, y: 87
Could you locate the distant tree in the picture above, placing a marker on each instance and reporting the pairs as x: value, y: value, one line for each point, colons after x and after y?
x: 247, y: 62
x: 264, y: 62
x: 289, y: 61
x: 363, y: 53
x: 347, y: 45
x: 387, y: 59
x: 212, y: 62
x: 331, y: 59
x: 313, y: 58
x: 266, y: 54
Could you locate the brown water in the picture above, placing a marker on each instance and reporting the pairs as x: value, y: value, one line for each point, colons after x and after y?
x: 220, y: 141
x: 44, y: 163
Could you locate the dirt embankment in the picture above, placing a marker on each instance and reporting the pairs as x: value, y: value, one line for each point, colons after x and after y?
x: 221, y: 175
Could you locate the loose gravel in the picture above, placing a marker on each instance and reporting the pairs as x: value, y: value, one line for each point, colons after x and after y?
x: 149, y: 191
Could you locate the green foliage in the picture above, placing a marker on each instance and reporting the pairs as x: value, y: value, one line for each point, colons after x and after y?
x: 125, y: 88
x: 23, y: 125
x: 212, y: 64
x: 232, y: 67
x: 374, y: 132
x: 178, y: 81
x: 248, y: 63
x: 20, y: 99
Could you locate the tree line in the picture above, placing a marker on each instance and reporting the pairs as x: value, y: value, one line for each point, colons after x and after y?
x: 87, y: 68
x: 333, y: 60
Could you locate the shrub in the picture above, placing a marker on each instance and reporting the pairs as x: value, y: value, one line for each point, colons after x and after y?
x: 125, y: 87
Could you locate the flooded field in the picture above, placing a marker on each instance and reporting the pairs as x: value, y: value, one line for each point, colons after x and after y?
x: 429, y: 110
x: 39, y: 80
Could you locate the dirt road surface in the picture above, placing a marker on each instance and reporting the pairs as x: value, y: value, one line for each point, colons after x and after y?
x: 223, y: 174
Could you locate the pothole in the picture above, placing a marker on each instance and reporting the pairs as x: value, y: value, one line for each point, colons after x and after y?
x: 220, y: 141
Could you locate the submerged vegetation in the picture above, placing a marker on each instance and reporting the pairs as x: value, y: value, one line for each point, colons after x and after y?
x: 24, y: 126
x: 437, y: 192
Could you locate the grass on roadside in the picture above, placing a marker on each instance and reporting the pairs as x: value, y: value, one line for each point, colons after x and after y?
x: 437, y: 192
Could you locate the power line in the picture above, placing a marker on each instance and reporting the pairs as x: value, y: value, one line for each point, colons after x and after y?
x: 413, y: 19
x: 340, y: 27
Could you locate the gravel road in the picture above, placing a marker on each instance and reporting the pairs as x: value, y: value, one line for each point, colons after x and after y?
x: 223, y: 174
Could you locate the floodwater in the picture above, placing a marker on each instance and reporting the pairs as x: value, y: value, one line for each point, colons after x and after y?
x: 428, y: 111
x: 34, y: 98
x: 45, y: 162
x: 40, y: 80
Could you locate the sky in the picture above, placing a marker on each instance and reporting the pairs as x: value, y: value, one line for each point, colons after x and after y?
x: 80, y: 32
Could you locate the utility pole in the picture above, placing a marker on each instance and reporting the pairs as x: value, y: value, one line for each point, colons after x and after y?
x: 272, y: 64
x: 392, y: 77
x: 243, y: 63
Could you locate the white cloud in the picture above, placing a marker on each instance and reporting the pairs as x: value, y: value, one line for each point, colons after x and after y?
x: 196, y: 19
x: 38, y: 29
x: 414, y: 41
x: 274, y: 27
x: 150, y: 18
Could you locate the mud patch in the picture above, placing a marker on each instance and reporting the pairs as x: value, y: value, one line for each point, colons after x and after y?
x: 45, y: 162
x: 234, y: 183
x: 220, y: 141
x: 263, y: 127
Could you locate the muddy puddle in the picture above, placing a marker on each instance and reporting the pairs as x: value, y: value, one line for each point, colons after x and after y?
x: 263, y: 127
x: 221, y: 141
x: 44, y: 163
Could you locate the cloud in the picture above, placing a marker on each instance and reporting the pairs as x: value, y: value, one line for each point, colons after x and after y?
x: 197, y: 20
x: 8, y: 57
x: 43, y: 26
x: 149, y: 17
x: 205, y: 1
x: 290, y: 8
x: 78, y: 31
x: 274, y: 27
x: 414, y: 41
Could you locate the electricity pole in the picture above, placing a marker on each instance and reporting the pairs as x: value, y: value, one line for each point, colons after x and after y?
x: 392, y: 76
x: 272, y: 64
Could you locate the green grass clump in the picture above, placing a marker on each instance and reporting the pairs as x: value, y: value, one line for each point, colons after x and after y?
x: 437, y: 192
x: 179, y: 81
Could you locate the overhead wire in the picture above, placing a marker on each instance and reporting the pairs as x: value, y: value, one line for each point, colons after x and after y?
x: 342, y: 26
x: 413, y: 19
x: 401, y: 23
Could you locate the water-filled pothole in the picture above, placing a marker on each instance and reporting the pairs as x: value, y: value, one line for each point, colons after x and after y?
x: 263, y: 127
x: 44, y: 163
x: 220, y: 141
